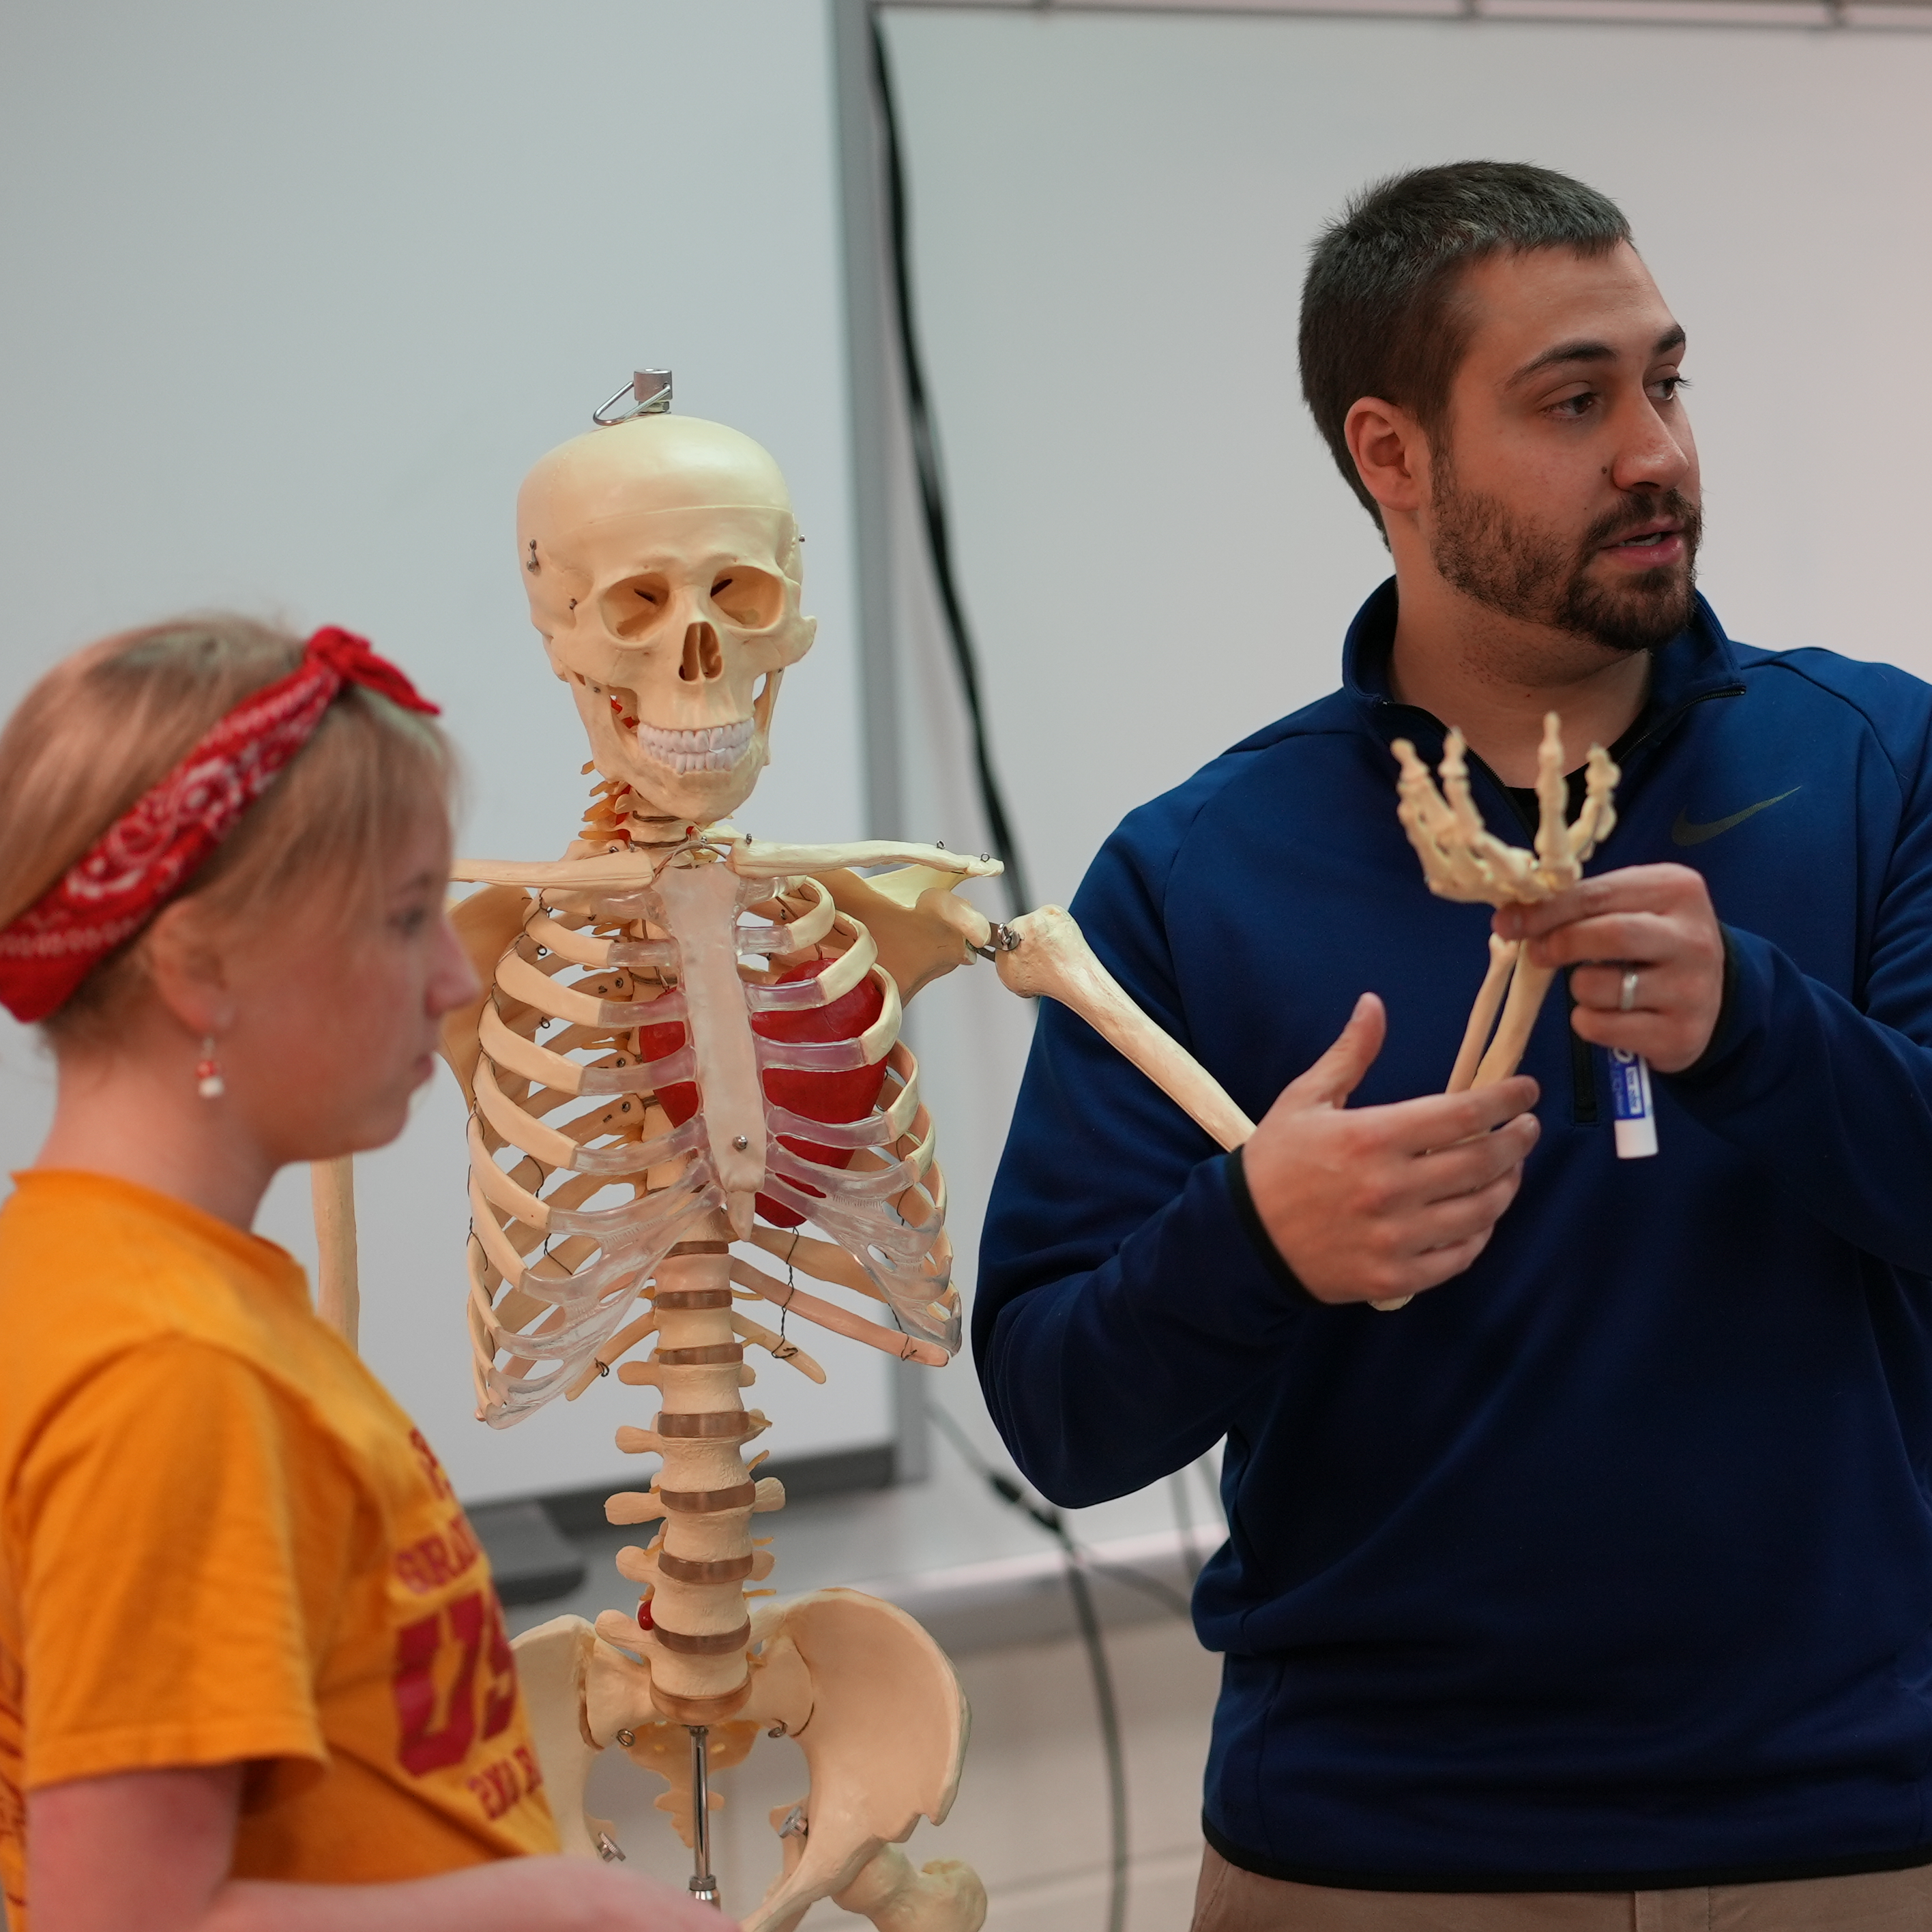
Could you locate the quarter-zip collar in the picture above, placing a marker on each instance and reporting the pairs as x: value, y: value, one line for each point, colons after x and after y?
x: 1698, y: 663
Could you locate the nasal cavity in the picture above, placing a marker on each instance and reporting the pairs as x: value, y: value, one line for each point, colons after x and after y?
x: 703, y: 659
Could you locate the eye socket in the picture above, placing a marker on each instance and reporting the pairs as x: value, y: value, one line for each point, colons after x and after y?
x: 631, y: 607
x: 749, y: 598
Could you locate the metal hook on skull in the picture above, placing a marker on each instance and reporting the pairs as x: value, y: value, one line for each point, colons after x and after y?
x: 649, y: 390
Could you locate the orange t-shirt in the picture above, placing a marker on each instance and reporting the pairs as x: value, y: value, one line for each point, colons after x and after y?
x: 221, y: 1540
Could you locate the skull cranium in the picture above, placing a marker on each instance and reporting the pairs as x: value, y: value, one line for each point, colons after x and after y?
x: 663, y: 565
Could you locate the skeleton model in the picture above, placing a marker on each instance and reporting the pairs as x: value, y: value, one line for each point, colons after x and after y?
x: 690, y: 1041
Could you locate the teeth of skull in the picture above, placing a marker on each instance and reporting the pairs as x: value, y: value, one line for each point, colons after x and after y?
x: 710, y: 748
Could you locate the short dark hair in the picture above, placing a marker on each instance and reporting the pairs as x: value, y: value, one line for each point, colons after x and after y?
x: 1379, y: 312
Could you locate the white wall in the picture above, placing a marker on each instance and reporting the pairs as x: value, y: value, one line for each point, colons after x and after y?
x: 294, y: 296
x: 1112, y: 215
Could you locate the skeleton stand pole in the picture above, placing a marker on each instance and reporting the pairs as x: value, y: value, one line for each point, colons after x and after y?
x: 338, y: 1295
x: 703, y: 1884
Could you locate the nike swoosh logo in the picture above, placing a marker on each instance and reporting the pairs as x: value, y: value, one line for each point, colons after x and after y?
x: 1684, y: 833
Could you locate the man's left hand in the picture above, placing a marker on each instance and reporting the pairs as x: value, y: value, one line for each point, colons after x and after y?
x: 1653, y: 920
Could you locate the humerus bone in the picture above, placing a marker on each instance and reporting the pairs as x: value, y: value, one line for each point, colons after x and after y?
x: 1462, y: 859
x: 1052, y: 957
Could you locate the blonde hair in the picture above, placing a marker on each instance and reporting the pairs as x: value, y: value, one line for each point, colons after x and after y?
x: 108, y: 722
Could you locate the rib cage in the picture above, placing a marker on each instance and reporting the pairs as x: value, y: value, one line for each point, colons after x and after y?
x: 580, y: 1184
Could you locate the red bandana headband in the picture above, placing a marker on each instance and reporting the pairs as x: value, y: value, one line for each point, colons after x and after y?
x: 149, y: 854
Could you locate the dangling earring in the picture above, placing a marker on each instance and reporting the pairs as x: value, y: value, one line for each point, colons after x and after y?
x: 207, y: 1081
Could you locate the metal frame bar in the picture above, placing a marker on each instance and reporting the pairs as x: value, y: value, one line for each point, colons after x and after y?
x: 871, y: 371
x: 1869, y: 15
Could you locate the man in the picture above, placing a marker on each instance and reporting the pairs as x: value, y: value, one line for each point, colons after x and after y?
x: 1603, y: 1569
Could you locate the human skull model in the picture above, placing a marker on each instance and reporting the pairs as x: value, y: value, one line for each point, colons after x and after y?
x: 662, y: 563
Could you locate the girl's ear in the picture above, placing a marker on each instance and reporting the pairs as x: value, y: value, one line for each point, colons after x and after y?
x: 188, y: 969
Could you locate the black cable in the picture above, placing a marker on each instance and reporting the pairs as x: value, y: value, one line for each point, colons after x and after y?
x: 931, y: 485
x: 1085, y: 1614
x: 1110, y: 1738
x: 1050, y: 1520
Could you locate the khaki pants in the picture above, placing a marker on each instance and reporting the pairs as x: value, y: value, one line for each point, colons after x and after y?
x: 1231, y: 1899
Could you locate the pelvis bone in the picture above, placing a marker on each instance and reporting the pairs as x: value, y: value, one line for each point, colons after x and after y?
x: 872, y: 1703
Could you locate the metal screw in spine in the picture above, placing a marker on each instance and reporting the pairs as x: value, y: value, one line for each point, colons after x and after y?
x: 703, y: 1885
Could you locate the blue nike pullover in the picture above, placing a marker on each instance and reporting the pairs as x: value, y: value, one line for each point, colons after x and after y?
x: 1608, y: 1562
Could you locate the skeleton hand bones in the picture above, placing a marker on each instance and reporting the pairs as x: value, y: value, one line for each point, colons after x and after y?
x: 1654, y: 920
x: 1462, y: 860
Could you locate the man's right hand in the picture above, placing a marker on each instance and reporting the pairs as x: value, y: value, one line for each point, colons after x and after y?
x: 1380, y: 1202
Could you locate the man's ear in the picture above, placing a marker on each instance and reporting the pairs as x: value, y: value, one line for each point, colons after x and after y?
x: 188, y: 969
x: 1391, y: 454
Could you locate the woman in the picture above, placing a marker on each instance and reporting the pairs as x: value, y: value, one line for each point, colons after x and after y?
x: 252, y: 1672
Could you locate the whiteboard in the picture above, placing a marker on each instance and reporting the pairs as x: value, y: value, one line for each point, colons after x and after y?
x: 294, y: 297
x: 1110, y: 215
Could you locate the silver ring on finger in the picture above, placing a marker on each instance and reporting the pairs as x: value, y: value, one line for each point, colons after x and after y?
x: 1627, y: 999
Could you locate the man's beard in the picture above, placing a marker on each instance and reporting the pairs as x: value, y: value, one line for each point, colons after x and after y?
x: 1533, y: 574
